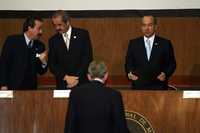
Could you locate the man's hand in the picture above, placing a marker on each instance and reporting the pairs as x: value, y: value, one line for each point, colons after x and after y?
x: 4, y: 88
x: 72, y: 81
x: 162, y: 76
x: 132, y: 76
x: 43, y: 57
x: 73, y: 84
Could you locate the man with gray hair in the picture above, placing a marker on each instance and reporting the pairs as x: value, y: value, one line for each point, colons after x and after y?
x: 95, y: 108
x: 70, y: 52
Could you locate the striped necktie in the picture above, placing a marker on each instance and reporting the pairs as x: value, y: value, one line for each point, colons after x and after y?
x: 30, y: 44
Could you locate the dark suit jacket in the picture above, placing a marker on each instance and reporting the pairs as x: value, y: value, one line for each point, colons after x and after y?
x: 14, y: 61
x: 74, y: 61
x: 94, y: 108
x: 161, y: 60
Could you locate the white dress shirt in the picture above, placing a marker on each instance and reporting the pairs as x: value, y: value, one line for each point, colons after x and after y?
x: 98, y: 79
x: 27, y: 40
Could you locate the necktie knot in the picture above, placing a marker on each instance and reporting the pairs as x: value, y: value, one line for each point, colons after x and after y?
x: 65, y: 35
x: 148, y: 41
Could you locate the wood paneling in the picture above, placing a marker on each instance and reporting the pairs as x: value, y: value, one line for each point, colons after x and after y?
x: 39, y: 112
x: 167, y: 111
x: 110, y: 37
x: 118, y: 81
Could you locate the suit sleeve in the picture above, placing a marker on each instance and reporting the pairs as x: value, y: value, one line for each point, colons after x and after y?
x: 40, y: 69
x: 52, y: 61
x: 5, y: 61
x: 170, y: 62
x: 87, y: 55
x: 120, y: 125
x: 129, y: 63
x: 70, y: 120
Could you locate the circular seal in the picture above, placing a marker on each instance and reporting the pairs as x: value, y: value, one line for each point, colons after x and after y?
x: 137, y: 123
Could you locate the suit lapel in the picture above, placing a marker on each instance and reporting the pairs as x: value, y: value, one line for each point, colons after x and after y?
x: 143, y: 49
x: 154, y: 49
x: 72, y: 39
x: 24, y: 45
x: 61, y: 42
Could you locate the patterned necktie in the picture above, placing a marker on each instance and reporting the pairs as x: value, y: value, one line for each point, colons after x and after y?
x: 66, y: 39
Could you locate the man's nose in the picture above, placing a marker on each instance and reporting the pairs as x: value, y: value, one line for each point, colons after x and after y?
x: 57, y: 28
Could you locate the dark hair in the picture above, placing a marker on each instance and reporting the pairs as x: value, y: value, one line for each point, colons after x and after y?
x: 30, y: 21
x: 65, y: 16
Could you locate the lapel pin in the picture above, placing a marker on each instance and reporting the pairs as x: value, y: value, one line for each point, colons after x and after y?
x: 74, y: 37
x: 156, y: 43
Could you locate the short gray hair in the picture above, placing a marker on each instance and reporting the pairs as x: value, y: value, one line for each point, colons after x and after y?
x: 65, y: 16
x: 97, y: 69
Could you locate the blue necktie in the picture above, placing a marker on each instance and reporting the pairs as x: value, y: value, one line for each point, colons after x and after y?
x: 148, y: 49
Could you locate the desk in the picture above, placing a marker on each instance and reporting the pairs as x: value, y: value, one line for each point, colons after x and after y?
x: 121, y: 81
x: 39, y: 112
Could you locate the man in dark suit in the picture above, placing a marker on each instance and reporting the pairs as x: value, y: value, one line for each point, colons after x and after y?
x: 70, y: 52
x: 23, y: 56
x: 150, y: 59
x: 95, y: 108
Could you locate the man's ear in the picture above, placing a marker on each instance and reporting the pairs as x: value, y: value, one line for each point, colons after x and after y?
x: 29, y: 27
x: 89, y: 77
x: 105, y: 77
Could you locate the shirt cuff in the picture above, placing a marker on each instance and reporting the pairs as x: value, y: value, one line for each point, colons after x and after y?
x: 44, y: 65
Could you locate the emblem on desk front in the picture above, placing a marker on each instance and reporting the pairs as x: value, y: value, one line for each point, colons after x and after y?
x: 137, y: 123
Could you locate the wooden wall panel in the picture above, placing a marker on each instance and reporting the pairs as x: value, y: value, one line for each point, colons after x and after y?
x: 110, y: 37
x: 39, y: 112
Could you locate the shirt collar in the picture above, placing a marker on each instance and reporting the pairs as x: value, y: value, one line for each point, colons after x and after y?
x: 98, y: 79
x: 26, y: 39
x: 151, y: 39
x: 69, y: 31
